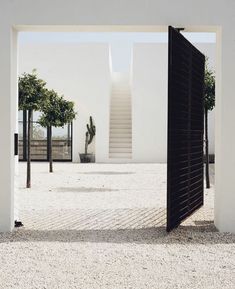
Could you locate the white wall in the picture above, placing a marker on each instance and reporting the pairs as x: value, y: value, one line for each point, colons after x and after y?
x: 122, y: 15
x: 149, y: 102
x: 209, y: 49
x: 81, y: 72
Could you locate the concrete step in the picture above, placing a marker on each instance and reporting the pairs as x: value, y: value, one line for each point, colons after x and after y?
x: 123, y: 113
x: 120, y: 160
x: 121, y: 117
x: 114, y: 125
x: 120, y: 155
x: 117, y: 128
x: 124, y: 109
x: 120, y: 145
x: 120, y: 121
x: 120, y: 93
x: 120, y: 97
x: 120, y: 135
x: 119, y: 150
x: 117, y: 139
x: 118, y: 101
x: 121, y: 125
x: 120, y: 105
x: 114, y: 131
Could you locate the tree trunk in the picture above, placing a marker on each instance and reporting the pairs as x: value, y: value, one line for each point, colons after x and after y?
x: 50, y: 150
x: 207, y: 150
x: 28, y: 182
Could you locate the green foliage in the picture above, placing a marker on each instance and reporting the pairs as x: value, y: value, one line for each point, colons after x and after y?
x: 56, y: 111
x: 32, y: 91
x: 209, y: 88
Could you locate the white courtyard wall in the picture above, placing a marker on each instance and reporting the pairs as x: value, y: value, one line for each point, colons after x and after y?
x: 81, y: 73
x: 149, y: 100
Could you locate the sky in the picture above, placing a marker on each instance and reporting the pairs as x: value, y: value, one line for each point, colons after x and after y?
x: 121, y: 43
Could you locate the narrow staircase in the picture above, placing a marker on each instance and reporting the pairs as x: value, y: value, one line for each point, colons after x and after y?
x: 120, y: 134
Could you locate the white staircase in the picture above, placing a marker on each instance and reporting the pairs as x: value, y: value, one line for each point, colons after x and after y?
x: 120, y: 134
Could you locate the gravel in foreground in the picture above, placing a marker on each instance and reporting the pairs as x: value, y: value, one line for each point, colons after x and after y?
x: 103, y: 226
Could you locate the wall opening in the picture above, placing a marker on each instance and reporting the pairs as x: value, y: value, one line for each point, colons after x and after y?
x: 136, y: 49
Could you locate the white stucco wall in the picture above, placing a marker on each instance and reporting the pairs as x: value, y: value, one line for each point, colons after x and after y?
x: 209, y: 49
x: 133, y: 15
x: 81, y: 73
x: 149, y: 102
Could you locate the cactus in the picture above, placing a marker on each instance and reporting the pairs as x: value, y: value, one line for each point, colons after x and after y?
x: 89, y: 134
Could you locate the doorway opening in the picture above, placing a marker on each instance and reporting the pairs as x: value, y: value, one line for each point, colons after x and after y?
x: 142, y: 213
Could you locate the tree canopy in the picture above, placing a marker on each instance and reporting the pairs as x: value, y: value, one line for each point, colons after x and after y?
x: 56, y: 110
x: 209, y: 88
x: 32, y: 91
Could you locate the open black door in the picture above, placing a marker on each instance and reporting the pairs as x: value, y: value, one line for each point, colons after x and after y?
x: 185, y: 129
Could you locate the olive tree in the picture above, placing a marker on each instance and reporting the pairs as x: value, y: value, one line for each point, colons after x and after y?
x: 56, y: 112
x: 209, y: 104
x: 32, y: 94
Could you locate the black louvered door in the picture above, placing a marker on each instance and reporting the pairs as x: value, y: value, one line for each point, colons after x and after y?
x: 185, y: 129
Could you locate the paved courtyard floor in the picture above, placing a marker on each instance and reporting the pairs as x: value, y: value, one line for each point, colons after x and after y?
x: 103, y: 226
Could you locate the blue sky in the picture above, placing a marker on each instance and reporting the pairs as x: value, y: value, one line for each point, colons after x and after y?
x: 111, y: 37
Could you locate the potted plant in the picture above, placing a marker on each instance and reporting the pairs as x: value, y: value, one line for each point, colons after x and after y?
x: 88, y: 157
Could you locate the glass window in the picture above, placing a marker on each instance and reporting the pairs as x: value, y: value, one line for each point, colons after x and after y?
x: 38, y: 132
x: 21, y: 134
x: 20, y: 115
x: 61, y: 140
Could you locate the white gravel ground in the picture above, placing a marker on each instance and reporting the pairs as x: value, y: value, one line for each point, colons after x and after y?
x: 103, y: 226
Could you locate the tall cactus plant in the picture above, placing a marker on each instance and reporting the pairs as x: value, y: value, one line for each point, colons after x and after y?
x: 89, y: 134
